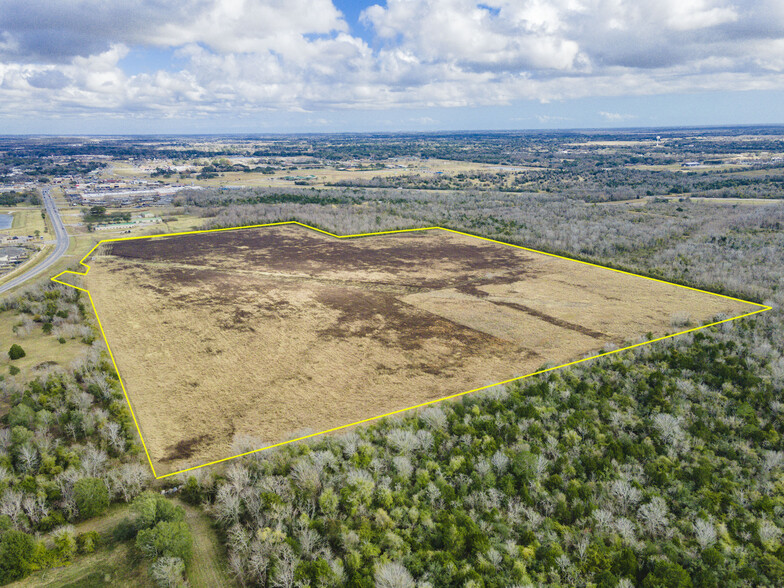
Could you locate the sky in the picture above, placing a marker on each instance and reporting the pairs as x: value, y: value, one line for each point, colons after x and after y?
x: 278, y: 66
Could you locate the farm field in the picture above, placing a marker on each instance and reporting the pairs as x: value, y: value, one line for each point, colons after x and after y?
x: 255, y: 336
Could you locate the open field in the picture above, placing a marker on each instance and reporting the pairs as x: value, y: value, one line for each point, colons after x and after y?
x: 268, y: 333
x: 43, y: 351
x: 322, y: 174
x: 27, y: 220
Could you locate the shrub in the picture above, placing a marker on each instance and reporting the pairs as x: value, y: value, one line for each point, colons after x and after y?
x: 64, y: 544
x: 92, y: 497
x: 87, y: 542
x: 13, y: 370
x: 16, y: 352
x: 191, y: 492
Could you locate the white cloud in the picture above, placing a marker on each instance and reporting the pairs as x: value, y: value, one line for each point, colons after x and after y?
x: 517, y: 37
x: 687, y: 15
x: 240, y: 56
x: 616, y: 116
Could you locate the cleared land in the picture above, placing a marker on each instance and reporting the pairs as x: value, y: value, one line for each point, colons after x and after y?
x: 271, y: 332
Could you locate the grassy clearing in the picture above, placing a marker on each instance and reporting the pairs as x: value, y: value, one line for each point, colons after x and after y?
x: 114, y: 562
x: 27, y: 220
x: 119, y: 563
x: 208, y: 566
x: 41, y: 349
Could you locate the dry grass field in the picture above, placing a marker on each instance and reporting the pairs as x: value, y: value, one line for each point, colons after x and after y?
x: 273, y: 332
x: 322, y: 175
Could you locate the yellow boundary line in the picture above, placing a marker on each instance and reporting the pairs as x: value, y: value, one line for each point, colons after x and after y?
x: 761, y: 308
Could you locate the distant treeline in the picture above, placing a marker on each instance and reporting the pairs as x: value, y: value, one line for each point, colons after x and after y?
x: 13, y: 198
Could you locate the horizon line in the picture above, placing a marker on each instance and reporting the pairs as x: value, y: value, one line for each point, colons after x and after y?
x: 561, y: 130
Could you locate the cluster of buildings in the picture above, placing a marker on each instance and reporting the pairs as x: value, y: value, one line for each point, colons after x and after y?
x: 118, y: 195
x: 144, y: 219
x: 10, y: 257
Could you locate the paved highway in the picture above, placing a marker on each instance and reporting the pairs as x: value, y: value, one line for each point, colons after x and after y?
x: 60, y: 248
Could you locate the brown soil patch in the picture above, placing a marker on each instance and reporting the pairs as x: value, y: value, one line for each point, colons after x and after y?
x: 268, y: 332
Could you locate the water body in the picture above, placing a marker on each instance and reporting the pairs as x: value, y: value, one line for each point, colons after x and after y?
x: 6, y: 221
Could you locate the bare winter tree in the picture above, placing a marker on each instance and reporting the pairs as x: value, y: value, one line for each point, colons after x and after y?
x: 128, y: 480
x: 769, y: 534
x: 11, y: 506
x: 402, y: 440
x: 112, y: 432
x: 227, y: 505
x: 28, y: 458
x: 35, y: 507
x: 393, y: 575
x: 93, y: 461
x: 704, y: 533
x: 434, y: 417
x: 102, y: 383
x: 168, y: 571
x: 500, y: 462
x: 307, y: 477
x: 624, y: 494
x: 654, y: 516
x: 284, y: 570
x: 670, y: 429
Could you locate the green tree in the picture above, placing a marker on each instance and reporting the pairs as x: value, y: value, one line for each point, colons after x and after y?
x: 16, y: 553
x: 16, y: 351
x: 315, y: 573
x: 166, y: 539
x: 150, y: 509
x: 92, y: 497
x: 667, y: 574
x: 21, y: 415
